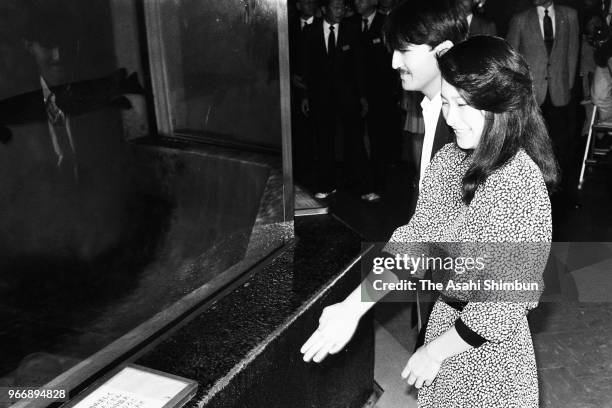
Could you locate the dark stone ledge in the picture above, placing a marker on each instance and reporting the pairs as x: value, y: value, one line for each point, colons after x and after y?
x: 244, y: 350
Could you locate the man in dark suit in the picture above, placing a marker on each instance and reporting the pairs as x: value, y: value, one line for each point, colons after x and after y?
x: 301, y: 127
x: 548, y: 37
x: 477, y: 24
x: 417, y: 32
x: 335, y: 96
x: 382, y: 92
x: 63, y: 171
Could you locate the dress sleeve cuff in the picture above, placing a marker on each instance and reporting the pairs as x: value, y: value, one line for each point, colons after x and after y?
x: 468, y: 335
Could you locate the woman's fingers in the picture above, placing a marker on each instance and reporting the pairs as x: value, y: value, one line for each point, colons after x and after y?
x: 312, y: 339
x: 419, y: 382
x: 406, y: 370
x: 427, y: 383
x: 412, y: 379
x: 314, y: 348
x: 309, y: 354
x: 323, y: 352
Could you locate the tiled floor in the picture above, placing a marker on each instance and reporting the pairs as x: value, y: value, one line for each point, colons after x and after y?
x: 572, y: 334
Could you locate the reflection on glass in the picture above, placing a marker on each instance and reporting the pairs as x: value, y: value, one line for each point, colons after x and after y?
x: 99, y: 231
x: 227, y: 84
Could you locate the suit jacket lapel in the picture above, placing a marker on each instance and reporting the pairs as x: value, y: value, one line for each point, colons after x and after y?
x: 560, y: 26
x: 442, y: 136
x: 474, y: 25
x: 320, y: 34
x: 377, y: 23
x: 341, y: 40
x: 536, y: 31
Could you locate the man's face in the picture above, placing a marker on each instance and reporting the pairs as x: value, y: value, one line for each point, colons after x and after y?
x: 49, y: 61
x: 307, y: 8
x: 365, y: 7
x: 467, y: 5
x: 334, y: 12
x: 418, y: 68
x: 543, y: 3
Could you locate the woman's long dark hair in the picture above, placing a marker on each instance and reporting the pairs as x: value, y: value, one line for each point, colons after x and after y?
x: 491, y: 76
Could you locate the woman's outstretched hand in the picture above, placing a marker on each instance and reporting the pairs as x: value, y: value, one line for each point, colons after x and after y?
x: 422, y: 368
x: 337, y: 325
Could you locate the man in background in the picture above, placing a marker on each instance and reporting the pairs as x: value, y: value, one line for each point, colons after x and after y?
x: 301, y: 126
x: 547, y: 35
x: 335, y: 97
x: 478, y: 25
x: 382, y: 93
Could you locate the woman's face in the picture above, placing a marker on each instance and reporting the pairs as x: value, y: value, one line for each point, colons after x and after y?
x: 466, y: 121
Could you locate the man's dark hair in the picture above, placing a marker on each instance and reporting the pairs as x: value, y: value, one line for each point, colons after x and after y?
x: 491, y: 76
x: 428, y: 22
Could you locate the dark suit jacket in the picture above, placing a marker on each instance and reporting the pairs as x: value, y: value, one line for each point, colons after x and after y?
x: 554, y: 73
x: 482, y: 26
x: 381, y: 80
x: 443, y: 135
x: 296, y: 39
x: 338, y: 80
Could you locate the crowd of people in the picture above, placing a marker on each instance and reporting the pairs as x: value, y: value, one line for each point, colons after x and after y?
x: 348, y: 104
x: 343, y: 85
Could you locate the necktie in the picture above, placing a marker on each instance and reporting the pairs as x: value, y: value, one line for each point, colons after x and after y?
x: 54, y: 114
x: 331, y: 42
x: 365, y: 25
x: 549, y: 38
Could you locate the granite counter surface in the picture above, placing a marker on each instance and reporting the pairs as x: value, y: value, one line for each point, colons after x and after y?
x: 244, y: 349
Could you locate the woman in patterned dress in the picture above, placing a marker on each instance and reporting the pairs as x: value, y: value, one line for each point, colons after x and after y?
x: 492, y: 186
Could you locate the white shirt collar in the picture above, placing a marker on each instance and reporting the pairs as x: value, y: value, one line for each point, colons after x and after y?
x: 551, y: 14
x: 431, y: 114
x: 370, y: 18
x: 45, y: 88
x: 326, y: 31
x: 432, y: 105
x: 326, y: 26
x: 551, y: 11
x: 469, y: 18
x: 307, y: 21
